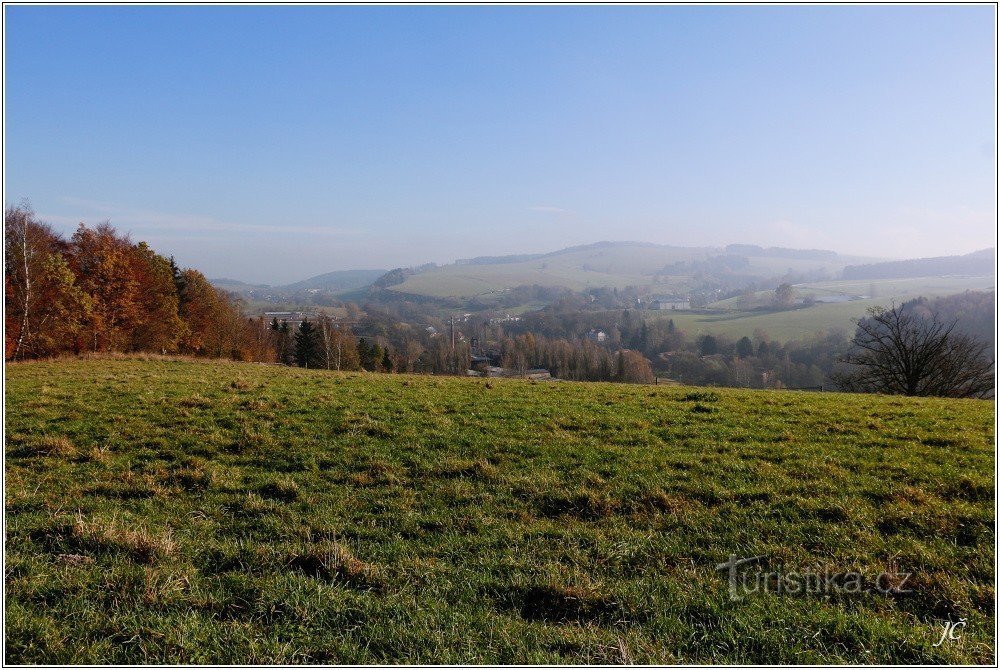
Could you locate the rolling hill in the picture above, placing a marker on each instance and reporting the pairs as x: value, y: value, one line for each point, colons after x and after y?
x: 613, y: 264
x: 976, y: 264
x: 332, y: 282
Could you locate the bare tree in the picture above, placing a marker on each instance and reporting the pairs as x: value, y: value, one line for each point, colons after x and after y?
x: 899, y: 351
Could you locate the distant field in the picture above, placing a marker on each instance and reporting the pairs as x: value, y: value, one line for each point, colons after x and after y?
x: 791, y: 324
x: 786, y: 325
x: 259, y: 308
x: 884, y: 289
x: 196, y: 512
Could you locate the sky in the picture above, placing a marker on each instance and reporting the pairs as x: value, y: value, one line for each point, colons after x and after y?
x: 270, y: 144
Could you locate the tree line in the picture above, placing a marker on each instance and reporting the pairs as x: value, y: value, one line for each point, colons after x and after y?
x: 99, y: 292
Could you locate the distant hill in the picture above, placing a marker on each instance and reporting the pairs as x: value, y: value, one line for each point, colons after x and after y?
x: 340, y: 280
x: 668, y: 269
x: 333, y: 282
x: 235, y: 285
x: 977, y: 264
x: 781, y: 252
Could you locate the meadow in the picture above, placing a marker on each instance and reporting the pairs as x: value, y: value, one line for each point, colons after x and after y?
x: 726, y: 319
x: 172, y: 511
x: 781, y: 325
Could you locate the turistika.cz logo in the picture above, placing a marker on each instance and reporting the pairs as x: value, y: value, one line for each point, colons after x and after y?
x: 808, y: 581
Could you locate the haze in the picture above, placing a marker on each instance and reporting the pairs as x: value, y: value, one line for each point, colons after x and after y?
x: 269, y: 144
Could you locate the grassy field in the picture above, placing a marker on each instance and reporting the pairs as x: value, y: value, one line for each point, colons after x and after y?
x: 194, y: 512
x: 781, y: 325
x: 885, y: 290
x: 797, y: 323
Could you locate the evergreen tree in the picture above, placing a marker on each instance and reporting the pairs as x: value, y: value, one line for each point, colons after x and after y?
x: 709, y: 346
x: 386, y: 361
x: 369, y: 355
x: 744, y: 347
x: 307, y: 346
x: 180, y: 285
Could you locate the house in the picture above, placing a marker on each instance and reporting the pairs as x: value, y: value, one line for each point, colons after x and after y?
x: 597, y: 335
x: 671, y: 303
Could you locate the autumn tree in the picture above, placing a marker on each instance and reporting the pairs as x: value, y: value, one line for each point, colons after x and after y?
x: 634, y: 368
x: 159, y: 326
x: 198, y: 308
x: 102, y: 263
x: 45, y: 307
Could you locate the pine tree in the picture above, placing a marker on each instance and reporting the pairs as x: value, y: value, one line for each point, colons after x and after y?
x: 709, y: 346
x: 744, y: 347
x: 307, y: 346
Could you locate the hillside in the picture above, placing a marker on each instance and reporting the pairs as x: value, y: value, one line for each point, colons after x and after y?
x: 977, y: 264
x: 614, y: 264
x: 202, y: 512
x: 341, y: 280
x: 331, y: 282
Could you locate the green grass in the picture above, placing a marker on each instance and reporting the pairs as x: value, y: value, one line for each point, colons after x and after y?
x: 780, y: 325
x: 193, y: 512
x: 884, y: 290
x: 797, y: 323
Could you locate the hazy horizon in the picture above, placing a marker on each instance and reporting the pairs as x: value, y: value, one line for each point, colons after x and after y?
x: 272, y: 144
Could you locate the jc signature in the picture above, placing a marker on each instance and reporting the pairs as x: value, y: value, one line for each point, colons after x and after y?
x: 949, y: 631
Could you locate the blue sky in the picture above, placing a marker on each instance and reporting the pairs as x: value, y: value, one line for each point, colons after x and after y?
x: 274, y: 143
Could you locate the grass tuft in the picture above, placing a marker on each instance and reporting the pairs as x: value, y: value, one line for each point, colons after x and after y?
x: 114, y: 536
x: 333, y: 562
